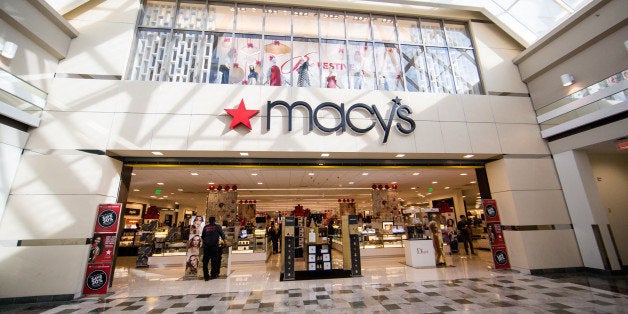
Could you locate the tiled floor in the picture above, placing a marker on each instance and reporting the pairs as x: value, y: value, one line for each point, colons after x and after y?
x: 467, y: 284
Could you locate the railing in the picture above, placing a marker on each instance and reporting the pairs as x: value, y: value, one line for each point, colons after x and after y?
x: 600, y: 100
x: 20, y: 100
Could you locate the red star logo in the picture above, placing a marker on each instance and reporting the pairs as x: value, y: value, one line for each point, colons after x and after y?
x: 241, y: 115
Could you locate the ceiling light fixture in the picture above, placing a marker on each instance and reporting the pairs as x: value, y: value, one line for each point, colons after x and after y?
x: 416, y: 174
x: 324, y: 155
x: 446, y: 188
x: 365, y: 173
x: 180, y: 190
x: 310, y: 174
x: 244, y: 154
x: 8, y: 50
x: 468, y: 156
x: 194, y: 173
x: 210, y: 183
x: 157, y: 153
x: 160, y: 183
x: 567, y: 79
x: 400, y: 155
x: 473, y: 182
x: 132, y: 173
x: 136, y: 190
x: 463, y: 174
x: 434, y: 182
x: 260, y: 183
x: 351, y: 182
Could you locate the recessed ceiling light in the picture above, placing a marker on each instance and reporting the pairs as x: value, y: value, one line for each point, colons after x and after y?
x: 463, y: 196
x: 157, y: 153
x: 206, y: 189
x: 194, y: 173
x: 165, y: 196
x: 321, y: 164
x: 153, y: 196
x: 365, y: 173
x: 244, y: 154
x: 429, y: 193
x: 210, y: 183
x: 468, y: 156
x: 180, y: 190
x: 416, y: 174
x: 324, y: 155
x: 473, y: 182
x: 253, y: 174
x: 463, y: 174
x: 160, y: 183
x: 394, y: 182
x: 434, y: 182
x: 260, y: 183
x: 136, y: 190
x: 132, y: 173
x: 351, y: 182
x: 446, y: 188
x: 310, y: 174
x: 400, y: 155
x: 412, y: 188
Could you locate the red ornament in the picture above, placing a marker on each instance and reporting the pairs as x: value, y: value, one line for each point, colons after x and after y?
x: 240, y: 202
x: 246, y: 201
x: 254, y: 201
x: 380, y: 186
x: 352, y: 201
x: 211, y: 187
x: 219, y: 187
x: 339, y: 200
x: 235, y: 187
x: 386, y: 187
x: 394, y: 186
x: 374, y: 186
x: 227, y: 188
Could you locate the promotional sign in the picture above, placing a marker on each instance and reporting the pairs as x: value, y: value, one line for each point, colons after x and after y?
x: 500, y: 257
x: 97, y: 279
x: 102, y: 248
x: 495, y: 235
x: 490, y: 210
x: 107, y: 218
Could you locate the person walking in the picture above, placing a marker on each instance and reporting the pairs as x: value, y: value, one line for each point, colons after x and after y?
x: 212, y: 233
x: 273, y: 233
x: 465, y: 234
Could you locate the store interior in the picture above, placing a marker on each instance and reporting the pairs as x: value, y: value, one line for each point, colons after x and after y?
x: 163, y: 202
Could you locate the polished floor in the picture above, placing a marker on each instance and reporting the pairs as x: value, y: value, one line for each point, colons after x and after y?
x: 467, y: 284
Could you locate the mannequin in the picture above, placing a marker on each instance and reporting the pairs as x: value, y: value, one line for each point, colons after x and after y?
x: 253, y: 76
x: 274, y: 73
x: 223, y: 77
x: 331, y: 80
x: 304, y: 74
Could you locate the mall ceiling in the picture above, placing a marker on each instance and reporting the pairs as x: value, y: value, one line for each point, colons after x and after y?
x: 282, y: 187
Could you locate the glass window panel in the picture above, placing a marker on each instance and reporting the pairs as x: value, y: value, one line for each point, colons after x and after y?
x: 538, y: 15
x: 442, y: 80
x: 191, y: 16
x: 224, y: 56
x: 332, y: 25
x: 183, y: 65
x: 249, y: 58
x: 278, y: 21
x: 334, y: 64
x: 221, y: 17
x: 409, y: 31
x: 388, y: 67
x: 305, y: 70
x: 249, y: 19
x: 465, y: 71
x: 206, y: 59
x: 150, y: 55
x: 457, y: 35
x: 278, y: 61
x: 358, y: 27
x: 361, y: 65
x: 384, y: 28
x: 413, y: 60
x: 158, y: 14
x: 305, y: 22
x: 432, y: 33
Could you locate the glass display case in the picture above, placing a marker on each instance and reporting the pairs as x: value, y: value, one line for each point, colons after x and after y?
x: 381, y: 240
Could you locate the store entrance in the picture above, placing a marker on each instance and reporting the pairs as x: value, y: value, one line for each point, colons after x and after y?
x: 167, y: 206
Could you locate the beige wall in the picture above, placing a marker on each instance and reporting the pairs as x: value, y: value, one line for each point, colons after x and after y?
x: 611, y: 177
x: 591, y: 48
x: 528, y: 193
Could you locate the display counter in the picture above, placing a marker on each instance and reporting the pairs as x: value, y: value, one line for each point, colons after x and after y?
x: 419, y: 253
x: 252, y: 249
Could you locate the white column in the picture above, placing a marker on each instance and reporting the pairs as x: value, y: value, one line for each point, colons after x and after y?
x: 586, y: 209
x: 12, y: 142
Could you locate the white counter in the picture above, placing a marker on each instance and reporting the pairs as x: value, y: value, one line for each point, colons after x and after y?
x: 419, y: 253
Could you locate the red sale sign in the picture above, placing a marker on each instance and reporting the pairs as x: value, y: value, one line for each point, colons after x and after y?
x: 97, y: 279
x: 500, y: 257
x: 490, y: 210
x: 108, y: 217
x: 102, y: 248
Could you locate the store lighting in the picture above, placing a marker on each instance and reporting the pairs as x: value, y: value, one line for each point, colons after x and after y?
x: 194, y: 173
x: 468, y: 156
x: 473, y: 182
x: 136, y: 190
x: 324, y: 155
x: 310, y: 174
x: 160, y: 183
x: 434, y: 182
x: 244, y: 154
x: 567, y: 79
x: 416, y: 174
x: 253, y: 174
x: 8, y: 50
x: 365, y: 173
x: 446, y: 188
x: 463, y: 174
x: 412, y: 188
x: 260, y: 183
x: 132, y: 173
x: 180, y: 190
x: 351, y: 182
x: 210, y: 183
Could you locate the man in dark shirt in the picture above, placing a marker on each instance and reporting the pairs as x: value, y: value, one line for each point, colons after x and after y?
x: 211, y: 235
x: 464, y: 230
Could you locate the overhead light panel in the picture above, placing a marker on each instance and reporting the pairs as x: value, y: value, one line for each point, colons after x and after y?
x: 400, y: 155
x: 194, y: 173
x: 468, y: 156
x: 157, y: 153
x: 244, y: 154
x: 567, y: 79
x: 324, y: 155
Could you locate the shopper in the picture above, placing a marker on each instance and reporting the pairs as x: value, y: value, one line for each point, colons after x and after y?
x: 464, y: 229
x: 273, y: 233
x: 212, y: 234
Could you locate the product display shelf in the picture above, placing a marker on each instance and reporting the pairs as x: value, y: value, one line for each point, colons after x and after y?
x: 318, y: 257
